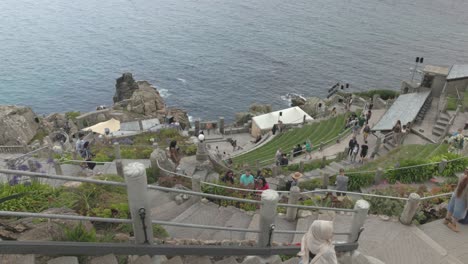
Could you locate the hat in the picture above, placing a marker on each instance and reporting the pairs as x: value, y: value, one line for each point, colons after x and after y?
x: 297, y: 175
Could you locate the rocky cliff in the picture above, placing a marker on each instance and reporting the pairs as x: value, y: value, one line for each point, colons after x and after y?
x: 18, y: 125
x: 142, y: 98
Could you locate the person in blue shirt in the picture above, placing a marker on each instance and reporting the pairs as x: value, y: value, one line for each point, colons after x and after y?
x: 247, y: 179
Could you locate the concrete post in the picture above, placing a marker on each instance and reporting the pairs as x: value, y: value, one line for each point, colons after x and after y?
x: 267, y: 216
x: 140, y: 124
x: 359, y: 217
x: 32, y: 166
x: 202, y: 154
x: 196, y: 185
x: 221, y: 125
x: 304, y: 120
x: 325, y: 179
x: 301, y: 166
x: 197, y: 127
x: 378, y: 175
x: 442, y: 165
x: 410, y: 209
x: 135, y: 177
x: 58, y: 168
x: 117, y: 150
x: 119, y: 168
x: 338, y: 140
x: 274, y: 171
x: 291, y: 213
x: 154, y: 163
x: 377, y: 145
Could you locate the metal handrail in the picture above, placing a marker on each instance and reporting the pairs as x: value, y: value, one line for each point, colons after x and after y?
x: 205, y: 226
x: 316, y: 207
x: 356, y: 193
x: 435, y: 196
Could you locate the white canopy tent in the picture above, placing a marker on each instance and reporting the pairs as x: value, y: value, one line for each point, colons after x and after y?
x: 112, y: 124
x: 265, y: 122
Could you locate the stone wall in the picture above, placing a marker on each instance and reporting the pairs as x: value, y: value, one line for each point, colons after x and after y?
x: 18, y: 125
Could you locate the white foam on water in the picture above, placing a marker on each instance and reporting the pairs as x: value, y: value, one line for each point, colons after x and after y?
x: 182, y: 80
x: 164, y: 93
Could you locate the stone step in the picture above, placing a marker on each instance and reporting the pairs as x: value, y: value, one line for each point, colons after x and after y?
x: 331, y: 171
x: 107, y: 259
x: 229, y: 260
x: 436, y: 133
x: 63, y: 260
x: 303, y: 224
x: 199, y: 213
x: 224, y: 214
x: 336, y: 165
x: 253, y: 225
x: 294, y: 260
x: 238, y: 219
x: 170, y: 210
x: 140, y: 260
x: 442, y: 123
x: 212, y: 177
x: 174, y: 260
x: 202, y: 174
x: 17, y: 259
x: 281, y: 223
x: 439, y: 128
x: 197, y: 260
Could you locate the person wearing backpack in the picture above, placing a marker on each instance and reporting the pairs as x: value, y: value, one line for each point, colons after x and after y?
x: 366, y: 132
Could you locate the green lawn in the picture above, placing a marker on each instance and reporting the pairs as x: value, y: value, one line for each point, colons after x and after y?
x: 405, y: 152
x: 451, y: 104
x: 317, y: 132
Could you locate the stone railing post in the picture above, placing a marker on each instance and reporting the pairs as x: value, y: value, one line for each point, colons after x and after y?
x: 196, y: 185
x: 410, y: 209
x: 140, y: 125
x: 58, y: 167
x: 221, y: 125
x: 119, y: 168
x: 442, y: 165
x: 32, y: 166
x: 197, y: 127
x: 135, y: 177
x: 117, y: 150
x: 154, y: 163
x: 301, y: 166
x: 274, y: 171
x: 378, y: 175
x: 267, y: 217
x: 377, y: 145
x: 294, y: 194
x: 325, y: 179
x: 359, y: 217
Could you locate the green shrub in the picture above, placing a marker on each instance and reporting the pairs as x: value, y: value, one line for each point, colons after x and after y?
x: 413, y: 174
x: 36, y: 199
x: 151, y: 176
x: 72, y: 115
x: 79, y: 233
x: 159, y: 231
x: 131, y: 152
x: 189, y: 150
x: 451, y: 104
x: 310, y: 184
x: 452, y: 167
x: 384, y: 94
x: 357, y: 181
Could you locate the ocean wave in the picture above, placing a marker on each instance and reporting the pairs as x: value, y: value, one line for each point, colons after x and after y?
x: 164, y: 93
x: 182, y: 80
x: 289, y: 96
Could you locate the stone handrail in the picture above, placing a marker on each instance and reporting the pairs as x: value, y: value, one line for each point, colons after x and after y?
x: 13, y: 149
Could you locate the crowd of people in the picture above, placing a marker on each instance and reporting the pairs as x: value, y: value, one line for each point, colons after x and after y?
x: 247, y: 180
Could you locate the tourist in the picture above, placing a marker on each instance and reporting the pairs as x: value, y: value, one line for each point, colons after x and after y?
x: 397, y: 133
x: 341, y: 183
x: 257, y: 139
x: 294, y: 181
x: 297, y: 150
x: 364, y: 149
x: 368, y: 116
x: 228, y: 177
x: 355, y: 152
x: 280, y: 126
x: 88, y: 156
x: 351, y: 144
x: 317, y: 246
x: 79, y: 145
x: 261, y: 184
x: 284, y: 160
x: 247, y: 180
x: 308, y: 149
x: 404, y: 132
x: 366, y: 132
x: 458, y: 205
x: 278, y: 156
x: 273, y: 129
x: 356, y: 128
x: 173, y: 154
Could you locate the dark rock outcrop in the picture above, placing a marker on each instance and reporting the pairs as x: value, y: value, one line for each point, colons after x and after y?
x: 18, y: 125
x: 124, y: 87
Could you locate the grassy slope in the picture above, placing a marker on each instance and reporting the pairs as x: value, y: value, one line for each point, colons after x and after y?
x: 316, y: 132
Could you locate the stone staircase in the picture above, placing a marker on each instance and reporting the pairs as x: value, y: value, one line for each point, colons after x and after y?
x: 441, y: 125
x: 424, y: 109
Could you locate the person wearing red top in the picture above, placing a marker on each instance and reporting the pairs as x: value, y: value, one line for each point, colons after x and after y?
x: 261, y: 184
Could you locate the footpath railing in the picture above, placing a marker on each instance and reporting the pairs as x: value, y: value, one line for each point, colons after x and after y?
x: 137, y: 187
x: 13, y: 149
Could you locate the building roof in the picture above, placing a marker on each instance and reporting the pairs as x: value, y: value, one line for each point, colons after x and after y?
x: 100, y: 128
x: 405, y: 108
x: 458, y: 72
x: 439, y: 70
x: 293, y: 115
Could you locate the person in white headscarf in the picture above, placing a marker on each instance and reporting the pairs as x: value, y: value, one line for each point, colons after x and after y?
x: 317, y: 242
